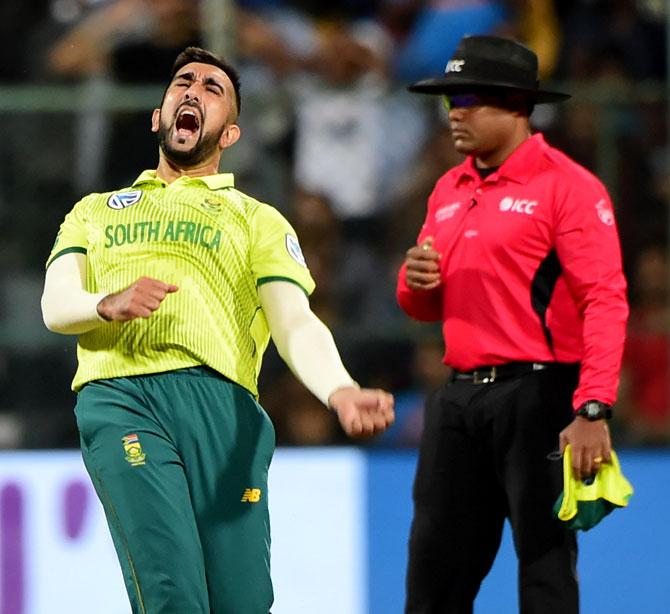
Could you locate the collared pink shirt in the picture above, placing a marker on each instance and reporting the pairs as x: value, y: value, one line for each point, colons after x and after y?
x: 530, y: 267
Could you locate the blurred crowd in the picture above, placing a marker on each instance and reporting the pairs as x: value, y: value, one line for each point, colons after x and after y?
x: 331, y: 138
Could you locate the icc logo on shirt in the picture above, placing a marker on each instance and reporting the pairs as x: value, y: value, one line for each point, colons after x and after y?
x: 518, y: 205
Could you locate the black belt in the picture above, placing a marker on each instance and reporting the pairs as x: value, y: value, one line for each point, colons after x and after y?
x: 488, y: 375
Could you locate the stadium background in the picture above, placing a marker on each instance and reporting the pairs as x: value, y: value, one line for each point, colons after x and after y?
x: 331, y: 138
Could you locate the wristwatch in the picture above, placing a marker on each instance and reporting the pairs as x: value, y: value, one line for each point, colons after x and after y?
x: 595, y: 410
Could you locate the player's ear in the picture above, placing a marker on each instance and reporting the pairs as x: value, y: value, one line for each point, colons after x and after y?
x: 155, y: 120
x: 229, y: 136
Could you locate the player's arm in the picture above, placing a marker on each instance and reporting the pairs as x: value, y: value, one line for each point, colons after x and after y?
x: 67, y: 307
x: 308, y: 348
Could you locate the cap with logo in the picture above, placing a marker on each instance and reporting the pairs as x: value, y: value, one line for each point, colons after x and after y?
x: 490, y: 62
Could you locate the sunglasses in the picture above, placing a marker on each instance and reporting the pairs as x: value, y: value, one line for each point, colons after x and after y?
x: 466, y: 101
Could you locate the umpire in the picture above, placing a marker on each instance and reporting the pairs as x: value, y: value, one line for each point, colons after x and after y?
x: 519, y: 259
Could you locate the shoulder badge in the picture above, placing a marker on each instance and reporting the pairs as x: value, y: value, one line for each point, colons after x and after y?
x: 605, y: 213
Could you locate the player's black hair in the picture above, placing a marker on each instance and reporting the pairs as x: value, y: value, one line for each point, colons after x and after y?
x: 202, y: 56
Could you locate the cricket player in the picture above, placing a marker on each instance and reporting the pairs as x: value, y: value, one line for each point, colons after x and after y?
x: 174, y: 286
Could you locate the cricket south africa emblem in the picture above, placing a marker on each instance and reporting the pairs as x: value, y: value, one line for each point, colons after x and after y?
x: 211, y: 205
x: 133, y: 449
x: 124, y: 199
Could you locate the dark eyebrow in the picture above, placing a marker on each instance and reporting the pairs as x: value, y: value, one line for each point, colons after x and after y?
x: 213, y: 81
x: 208, y: 81
x: 188, y: 76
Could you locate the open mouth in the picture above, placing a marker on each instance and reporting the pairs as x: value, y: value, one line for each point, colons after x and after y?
x: 187, y: 122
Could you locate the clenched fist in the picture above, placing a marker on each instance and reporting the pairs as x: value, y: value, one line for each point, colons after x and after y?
x: 422, y: 264
x: 139, y: 300
x: 362, y: 412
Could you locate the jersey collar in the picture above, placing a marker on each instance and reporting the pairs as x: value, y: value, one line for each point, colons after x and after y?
x: 520, y: 166
x: 213, y: 182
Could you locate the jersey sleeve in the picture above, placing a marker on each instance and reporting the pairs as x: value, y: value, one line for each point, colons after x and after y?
x: 72, y: 236
x: 275, y: 250
x: 587, y: 245
x: 425, y: 306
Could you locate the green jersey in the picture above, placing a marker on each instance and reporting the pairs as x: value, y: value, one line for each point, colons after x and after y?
x: 214, y: 242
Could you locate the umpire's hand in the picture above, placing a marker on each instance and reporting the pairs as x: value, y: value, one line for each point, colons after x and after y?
x: 422, y: 264
x: 362, y: 412
x: 139, y: 300
x: 590, y: 443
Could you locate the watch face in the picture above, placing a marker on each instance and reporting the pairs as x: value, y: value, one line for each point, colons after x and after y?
x: 594, y: 410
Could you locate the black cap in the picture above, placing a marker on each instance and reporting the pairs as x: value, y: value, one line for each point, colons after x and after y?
x: 485, y: 62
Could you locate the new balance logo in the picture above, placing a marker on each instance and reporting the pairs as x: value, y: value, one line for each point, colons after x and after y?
x: 251, y: 495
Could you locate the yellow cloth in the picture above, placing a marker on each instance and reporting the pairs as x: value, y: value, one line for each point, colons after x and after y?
x: 582, y: 505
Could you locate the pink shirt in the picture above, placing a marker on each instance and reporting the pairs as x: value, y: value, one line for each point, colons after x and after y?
x: 530, y: 266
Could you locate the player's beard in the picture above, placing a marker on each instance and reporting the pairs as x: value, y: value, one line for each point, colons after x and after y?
x: 204, y: 147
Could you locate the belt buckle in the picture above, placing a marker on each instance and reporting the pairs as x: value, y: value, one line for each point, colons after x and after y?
x: 485, y: 377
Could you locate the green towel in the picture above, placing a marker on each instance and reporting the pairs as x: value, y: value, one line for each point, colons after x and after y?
x: 583, y: 506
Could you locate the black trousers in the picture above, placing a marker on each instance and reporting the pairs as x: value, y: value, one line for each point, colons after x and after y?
x: 483, y: 458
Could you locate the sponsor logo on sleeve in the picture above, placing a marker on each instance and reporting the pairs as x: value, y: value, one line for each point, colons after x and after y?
x: 124, y: 199
x: 293, y: 248
x: 605, y: 212
x: 60, y: 232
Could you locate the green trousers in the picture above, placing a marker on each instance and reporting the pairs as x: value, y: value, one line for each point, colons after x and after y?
x: 180, y: 462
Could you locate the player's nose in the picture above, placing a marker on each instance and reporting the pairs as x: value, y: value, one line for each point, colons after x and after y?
x: 192, y: 93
